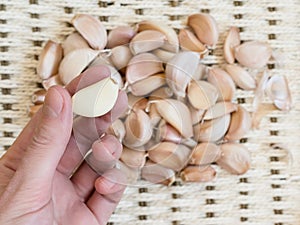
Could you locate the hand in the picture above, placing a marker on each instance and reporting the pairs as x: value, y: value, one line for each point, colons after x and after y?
x: 38, y: 184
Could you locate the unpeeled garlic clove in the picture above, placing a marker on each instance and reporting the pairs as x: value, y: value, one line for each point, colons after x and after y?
x: 188, y: 41
x: 170, y: 155
x: 232, y: 40
x: 201, y: 94
x: 133, y: 158
x: 241, y: 77
x: 117, y: 129
x: 163, y: 55
x: 165, y: 132
x: 38, y: 97
x: 161, y: 93
x: 220, y: 109
x: 120, y: 56
x: 146, y: 41
x: 172, y: 43
x: 75, y: 62
x: 277, y: 89
x: 49, y: 60
x: 96, y: 99
x: 198, y: 174
x: 136, y: 102
x: 51, y: 81
x: 177, y: 114
x: 157, y: 174
x: 74, y: 41
x: 205, y: 27
x: 147, y: 85
x: 196, y: 114
x: 120, y: 36
x: 138, y: 129
x: 155, y: 117
x: 179, y: 71
x: 253, y: 54
x: 235, y: 158
x: 212, y: 130
x: 91, y: 29
x: 205, y: 153
x: 240, y: 124
x: 223, y: 82
x: 142, y: 66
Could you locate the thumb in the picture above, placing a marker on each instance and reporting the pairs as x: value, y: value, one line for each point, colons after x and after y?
x: 50, y: 137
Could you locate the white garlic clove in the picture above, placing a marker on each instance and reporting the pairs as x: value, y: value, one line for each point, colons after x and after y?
x: 120, y: 56
x: 96, y: 99
x: 120, y: 35
x: 188, y: 41
x: 74, y: 41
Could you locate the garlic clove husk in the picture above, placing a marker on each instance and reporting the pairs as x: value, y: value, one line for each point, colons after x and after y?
x: 51, y: 81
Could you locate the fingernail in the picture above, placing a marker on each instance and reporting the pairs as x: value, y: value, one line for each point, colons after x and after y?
x: 53, y: 103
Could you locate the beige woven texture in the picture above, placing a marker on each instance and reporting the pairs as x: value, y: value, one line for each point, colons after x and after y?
x: 268, y: 194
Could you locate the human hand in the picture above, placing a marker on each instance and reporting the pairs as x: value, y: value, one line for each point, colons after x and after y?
x: 38, y: 184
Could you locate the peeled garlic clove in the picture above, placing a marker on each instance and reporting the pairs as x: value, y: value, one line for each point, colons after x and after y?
x: 235, y: 158
x: 253, y: 54
x: 142, y: 66
x: 241, y: 77
x: 49, y: 60
x: 75, y: 62
x: 74, y: 41
x: 205, y: 27
x: 146, y: 41
x: 97, y: 99
x: 179, y: 71
x: 38, y: 97
x: 120, y: 36
x: 223, y: 82
x: 91, y: 29
x: 188, y: 41
x: 197, y: 114
x: 172, y: 43
x: 198, y: 174
x: 177, y: 114
x: 133, y: 158
x: 51, y: 81
x: 165, y: 132
x: 212, y: 130
x: 277, y: 89
x: 201, y: 94
x: 163, y: 55
x: 205, y: 153
x: 117, y: 129
x: 170, y: 155
x: 132, y: 175
x: 240, y: 124
x: 157, y: 174
x: 231, y: 42
x: 138, y: 129
x: 220, y: 109
x: 161, y: 93
x: 147, y: 85
x: 120, y: 56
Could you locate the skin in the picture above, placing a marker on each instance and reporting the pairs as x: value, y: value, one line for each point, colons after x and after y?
x: 43, y: 178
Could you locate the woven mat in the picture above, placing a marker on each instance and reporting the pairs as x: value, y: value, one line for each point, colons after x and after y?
x: 268, y: 194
